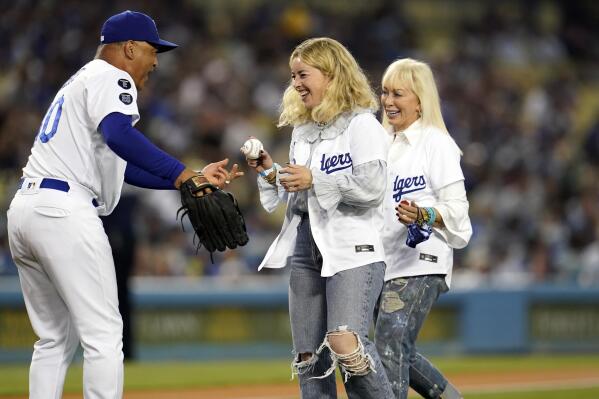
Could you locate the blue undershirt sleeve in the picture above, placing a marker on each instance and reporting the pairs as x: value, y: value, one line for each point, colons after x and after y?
x: 140, y: 178
x: 131, y: 145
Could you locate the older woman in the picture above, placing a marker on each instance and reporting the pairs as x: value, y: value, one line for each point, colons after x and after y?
x: 426, y: 217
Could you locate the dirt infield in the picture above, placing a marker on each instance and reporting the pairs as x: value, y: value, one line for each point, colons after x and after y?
x: 479, y: 381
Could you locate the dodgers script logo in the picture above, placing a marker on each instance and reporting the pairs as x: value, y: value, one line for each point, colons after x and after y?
x: 335, y: 162
x: 402, y: 186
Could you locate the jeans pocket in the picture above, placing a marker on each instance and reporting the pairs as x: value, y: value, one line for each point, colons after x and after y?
x: 52, y: 211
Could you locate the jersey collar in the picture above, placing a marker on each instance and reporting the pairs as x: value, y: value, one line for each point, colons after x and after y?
x: 413, y: 133
x: 311, y: 131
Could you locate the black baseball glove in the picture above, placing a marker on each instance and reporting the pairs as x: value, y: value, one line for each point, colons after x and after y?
x: 214, y: 215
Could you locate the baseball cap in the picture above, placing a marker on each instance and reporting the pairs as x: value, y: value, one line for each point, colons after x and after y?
x: 133, y: 25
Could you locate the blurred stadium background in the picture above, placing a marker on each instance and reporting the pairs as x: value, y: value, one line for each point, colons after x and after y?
x: 519, y: 83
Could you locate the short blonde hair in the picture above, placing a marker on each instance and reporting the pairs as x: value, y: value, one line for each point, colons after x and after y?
x: 348, y: 87
x: 418, y: 77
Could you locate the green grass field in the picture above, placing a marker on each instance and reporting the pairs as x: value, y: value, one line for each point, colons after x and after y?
x: 589, y: 393
x: 164, y: 376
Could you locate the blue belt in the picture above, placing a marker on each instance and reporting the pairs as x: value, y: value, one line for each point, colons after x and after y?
x: 54, y: 184
x: 47, y: 182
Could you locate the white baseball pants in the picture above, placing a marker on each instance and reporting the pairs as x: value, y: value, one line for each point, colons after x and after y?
x: 68, y: 280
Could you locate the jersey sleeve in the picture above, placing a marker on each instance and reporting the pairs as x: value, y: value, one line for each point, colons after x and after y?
x: 443, y: 160
x: 367, y: 139
x: 111, y: 91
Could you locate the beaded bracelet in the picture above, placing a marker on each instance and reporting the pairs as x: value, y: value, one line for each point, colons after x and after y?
x: 426, y: 215
x: 271, y: 178
x: 432, y: 216
x: 420, y: 216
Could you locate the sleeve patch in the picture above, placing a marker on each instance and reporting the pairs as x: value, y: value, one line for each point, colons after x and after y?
x: 126, y: 98
x: 124, y: 83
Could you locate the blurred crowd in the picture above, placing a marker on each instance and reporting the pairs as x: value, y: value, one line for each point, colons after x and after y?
x: 519, y: 83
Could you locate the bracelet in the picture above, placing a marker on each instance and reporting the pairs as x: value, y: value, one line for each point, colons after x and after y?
x: 421, y: 216
x: 426, y: 215
x: 271, y: 178
x: 266, y: 172
x: 270, y: 175
x: 432, y: 216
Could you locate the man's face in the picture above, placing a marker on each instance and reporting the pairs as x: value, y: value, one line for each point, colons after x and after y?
x: 145, y: 60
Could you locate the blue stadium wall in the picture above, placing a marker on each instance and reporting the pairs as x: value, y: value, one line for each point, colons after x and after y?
x: 182, y: 320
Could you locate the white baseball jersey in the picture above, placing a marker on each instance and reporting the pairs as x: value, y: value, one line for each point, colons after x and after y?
x: 58, y: 241
x: 347, y: 237
x: 421, y: 161
x: 70, y: 147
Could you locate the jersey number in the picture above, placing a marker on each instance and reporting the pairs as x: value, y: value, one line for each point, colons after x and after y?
x: 51, y: 119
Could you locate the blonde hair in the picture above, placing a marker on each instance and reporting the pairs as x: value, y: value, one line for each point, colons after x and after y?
x: 347, y: 89
x: 418, y: 77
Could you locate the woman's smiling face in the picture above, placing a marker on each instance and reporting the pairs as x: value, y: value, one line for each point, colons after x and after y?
x: 401, y: 106
x: 309, y: 82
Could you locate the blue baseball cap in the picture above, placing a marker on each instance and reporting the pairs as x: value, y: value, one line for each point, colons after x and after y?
x: 133, y: 25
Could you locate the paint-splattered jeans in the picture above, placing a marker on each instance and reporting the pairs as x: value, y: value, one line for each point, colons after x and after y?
x: 318, y: 305
x: 404, y: 305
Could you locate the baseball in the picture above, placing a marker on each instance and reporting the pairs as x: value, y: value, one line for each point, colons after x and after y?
x: 251, y: 148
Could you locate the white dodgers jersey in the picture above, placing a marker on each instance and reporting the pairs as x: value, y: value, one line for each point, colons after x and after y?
x: 430, y: 162
x: 69, y: 146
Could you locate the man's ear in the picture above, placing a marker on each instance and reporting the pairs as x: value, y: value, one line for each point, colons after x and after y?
x: 129, y: 49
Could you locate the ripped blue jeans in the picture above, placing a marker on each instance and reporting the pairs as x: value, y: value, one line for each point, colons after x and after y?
x: 403, y: 307
x: 323, y: 306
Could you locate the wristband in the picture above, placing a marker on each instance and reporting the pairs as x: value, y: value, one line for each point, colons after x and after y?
x: 266, y: 172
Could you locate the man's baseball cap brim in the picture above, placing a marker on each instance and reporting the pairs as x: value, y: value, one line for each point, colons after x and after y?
x: 163, y: 45
x: 133, y: 25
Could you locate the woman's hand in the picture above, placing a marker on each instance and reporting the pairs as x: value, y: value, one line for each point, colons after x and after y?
x: 406, y: 211
x: 262, y: 163
x: 217, y: 174
x: 296, y: 178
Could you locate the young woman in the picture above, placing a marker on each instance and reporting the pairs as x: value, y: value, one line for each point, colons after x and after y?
x: 426, y: 216
x: 333, y: 186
